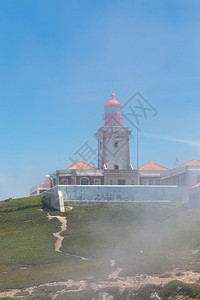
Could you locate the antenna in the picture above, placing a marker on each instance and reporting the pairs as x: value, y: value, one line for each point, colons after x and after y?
x: 112, y: 86
x: 138, y: 175
x: 56, y: 162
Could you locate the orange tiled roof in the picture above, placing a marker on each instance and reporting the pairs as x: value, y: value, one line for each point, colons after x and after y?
x: 153, y: 167
x: 81, y: 165
x: 194, y: 162
x: 47, y: 182
x: 194, y: 186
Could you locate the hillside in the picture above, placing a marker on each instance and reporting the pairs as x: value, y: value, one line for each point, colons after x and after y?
x: 105, y: 246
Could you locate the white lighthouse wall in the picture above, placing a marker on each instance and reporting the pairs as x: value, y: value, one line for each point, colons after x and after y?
x: 116, y: 156
x: 100, y: 154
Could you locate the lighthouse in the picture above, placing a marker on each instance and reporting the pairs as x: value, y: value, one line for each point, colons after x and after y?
x: 113, y: 144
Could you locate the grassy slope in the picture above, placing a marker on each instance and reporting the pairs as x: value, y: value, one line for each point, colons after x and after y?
x: 20, y: 203
x: 147, y: 238
x: 166, y: 235
x: 26, y: 241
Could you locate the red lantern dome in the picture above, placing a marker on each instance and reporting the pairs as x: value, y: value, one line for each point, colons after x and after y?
x: 113, y: 112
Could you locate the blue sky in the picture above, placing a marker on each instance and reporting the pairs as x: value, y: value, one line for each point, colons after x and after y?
x: 58, y: 60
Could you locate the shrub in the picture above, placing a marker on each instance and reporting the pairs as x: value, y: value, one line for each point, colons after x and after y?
x: 178, y: 287
x: 179, y: 274
x: 192, y: 290
x: 145, y: 291
x: 165, y: 275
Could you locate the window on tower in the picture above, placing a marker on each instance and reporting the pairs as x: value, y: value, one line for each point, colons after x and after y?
x: 113, y: 110
x: 116, y: 145
x: 116, y: 167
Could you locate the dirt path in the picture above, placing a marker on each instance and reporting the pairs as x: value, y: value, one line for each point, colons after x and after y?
x: 63, y: 221
x: 115, y: 273
x: 58, y: 242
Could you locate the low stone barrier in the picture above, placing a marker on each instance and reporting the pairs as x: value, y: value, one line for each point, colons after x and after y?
x: 60, y: 195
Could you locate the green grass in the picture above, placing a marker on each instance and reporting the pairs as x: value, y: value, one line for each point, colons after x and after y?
x: 142, y: 238
x: 20, y: 203
x: 26, y: 241
x: 22, y: 294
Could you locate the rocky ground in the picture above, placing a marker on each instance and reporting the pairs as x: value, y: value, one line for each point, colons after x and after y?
x: 55, y: 290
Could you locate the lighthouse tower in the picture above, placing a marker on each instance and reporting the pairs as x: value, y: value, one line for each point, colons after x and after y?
x: 113, y: 139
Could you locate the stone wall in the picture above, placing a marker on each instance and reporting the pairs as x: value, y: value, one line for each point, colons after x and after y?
x: 59, y: 195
